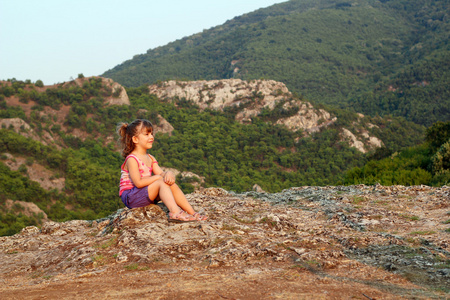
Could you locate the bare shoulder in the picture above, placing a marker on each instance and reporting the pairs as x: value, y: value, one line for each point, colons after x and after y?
x: 152, y: 158
x: 131, y: 162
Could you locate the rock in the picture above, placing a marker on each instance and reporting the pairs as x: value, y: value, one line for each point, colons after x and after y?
x: 217, y: 192
x: 257, y: 189
x: 38, y: 173
x: 164, y: 126
x: 252, y: 96
x: 363, y: 142
x: 29, y: 230
x: 309, y: 229
x: 28, y: 209
x: 299, y: 251
x: 120, y: 258
x: 50, y: 227
x: 23, y: 128
x: 119, y: 94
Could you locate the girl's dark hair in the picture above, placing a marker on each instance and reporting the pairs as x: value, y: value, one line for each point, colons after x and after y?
x: 127, y: 131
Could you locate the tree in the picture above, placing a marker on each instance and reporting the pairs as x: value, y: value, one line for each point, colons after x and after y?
x: 438, y: 134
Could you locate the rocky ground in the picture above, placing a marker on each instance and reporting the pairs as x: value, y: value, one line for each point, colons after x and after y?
x: 355, y: 242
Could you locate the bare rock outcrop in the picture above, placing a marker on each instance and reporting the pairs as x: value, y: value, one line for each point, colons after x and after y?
x: 308, y: 118
x: 250, y: 97
x: 297, y: 243
x: 352, y: 140
x: 46, y: 178
x: 28, y: 209
x: 164, y: 126
x: 23, y: 128
x: 160, y: 125
x: 360, y: 138
x: 118, y: 95
x: 218, y: 94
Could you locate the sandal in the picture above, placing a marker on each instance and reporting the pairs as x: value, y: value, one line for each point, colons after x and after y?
x: 180, y: 217
x: 200, y: 217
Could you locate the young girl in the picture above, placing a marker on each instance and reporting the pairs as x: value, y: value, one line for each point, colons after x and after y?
x: 142, y: 180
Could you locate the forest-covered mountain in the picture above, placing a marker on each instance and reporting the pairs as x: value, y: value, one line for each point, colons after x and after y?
x: 388, y: 57
x: 58, y: 146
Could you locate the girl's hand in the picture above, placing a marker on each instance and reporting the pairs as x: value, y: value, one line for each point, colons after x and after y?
x: 169, y: 178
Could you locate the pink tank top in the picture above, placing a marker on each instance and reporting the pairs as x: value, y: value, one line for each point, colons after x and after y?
x: 125, y: 180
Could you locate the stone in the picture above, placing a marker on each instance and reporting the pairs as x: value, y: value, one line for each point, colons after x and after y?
x: 50, y: 227
x: 29, y: 230
x: 255, y: 94
x: 301, y: 229
x: 257, y: 189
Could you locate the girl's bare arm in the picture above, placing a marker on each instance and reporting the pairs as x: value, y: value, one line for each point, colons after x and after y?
x: 135, y: 175
x: 169, y: 177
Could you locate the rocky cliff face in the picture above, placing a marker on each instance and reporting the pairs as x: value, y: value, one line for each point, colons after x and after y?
x: 119, y: 95
x: 21, y: 127
x: 337, y: 242
x: 359, y: 136
x: 363, y: 143
x: 249, y: 96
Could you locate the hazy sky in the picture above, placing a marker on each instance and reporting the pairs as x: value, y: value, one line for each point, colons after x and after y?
x: 54, y: 40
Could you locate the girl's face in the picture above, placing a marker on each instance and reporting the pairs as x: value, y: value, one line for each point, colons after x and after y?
x: 144, y: 139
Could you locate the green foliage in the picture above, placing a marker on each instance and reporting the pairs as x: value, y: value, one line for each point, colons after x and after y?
x: 7, y: 112
x: 419, y: 93
x: 421, y: 164
x: 12, y: 223
x: 39, y: 83
x: 15, y: 186
x: 440, y: 165
x: 438, y: 134
x: 406, y: 168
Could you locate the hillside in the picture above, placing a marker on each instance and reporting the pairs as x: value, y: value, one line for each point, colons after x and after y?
x: 375, y: 57
x: 353, y: 242
x: 58, y: 146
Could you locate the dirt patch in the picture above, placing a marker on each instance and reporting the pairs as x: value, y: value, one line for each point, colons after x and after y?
x: 36, y: 172
x: 14, y: 101
x: 265, y: 280
x: 28, y: 209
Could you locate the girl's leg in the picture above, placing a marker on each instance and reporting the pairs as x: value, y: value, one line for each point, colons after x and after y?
x: 159, y: 188
x: 180, y: 199
x: 182, y: 202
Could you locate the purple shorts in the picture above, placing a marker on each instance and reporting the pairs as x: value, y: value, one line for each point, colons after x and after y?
x: 136, y: 197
